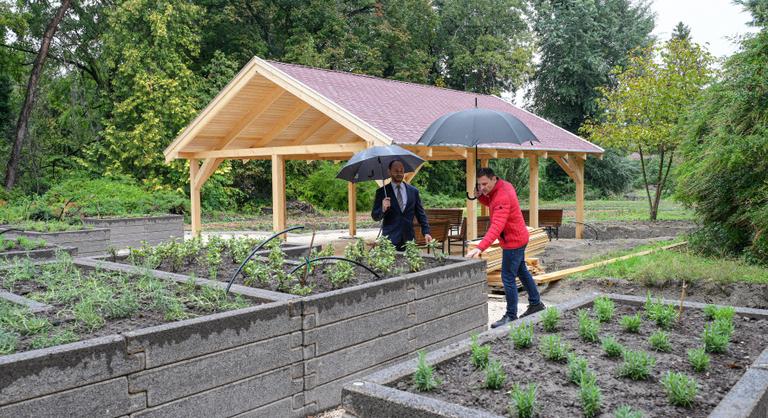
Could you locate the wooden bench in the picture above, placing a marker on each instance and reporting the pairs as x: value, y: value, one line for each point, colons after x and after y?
x: 451, y: 215
x: 549, y: 219
x: 483, y: 223
x: 438, y: 229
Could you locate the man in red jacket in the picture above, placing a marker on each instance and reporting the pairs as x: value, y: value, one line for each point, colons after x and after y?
x: 507, y: 225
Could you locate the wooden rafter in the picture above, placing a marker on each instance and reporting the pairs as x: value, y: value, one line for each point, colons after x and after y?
x: 282, y: 124
x: 274, y: 94
x: 319, y: 124
x: 286, y: 150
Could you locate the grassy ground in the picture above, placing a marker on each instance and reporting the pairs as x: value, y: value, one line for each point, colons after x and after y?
x: 664, y: 266
x: 595, y: 210
x: 619, y: 210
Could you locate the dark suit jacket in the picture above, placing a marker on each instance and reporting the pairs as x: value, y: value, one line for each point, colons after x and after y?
x: 398, y: 225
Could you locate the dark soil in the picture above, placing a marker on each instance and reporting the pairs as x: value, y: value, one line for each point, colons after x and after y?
x: 318, y: 276
x: 62, y: 317
x: 557, y: 397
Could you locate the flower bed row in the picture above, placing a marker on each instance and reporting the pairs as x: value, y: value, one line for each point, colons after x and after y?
x: 288, y: 356
x: 590, y: 358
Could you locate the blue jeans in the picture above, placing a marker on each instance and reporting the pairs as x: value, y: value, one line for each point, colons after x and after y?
x: 513, y: 265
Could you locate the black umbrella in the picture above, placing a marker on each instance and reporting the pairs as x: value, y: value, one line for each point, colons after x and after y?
x: 471, y: 127
x: 373, y: 163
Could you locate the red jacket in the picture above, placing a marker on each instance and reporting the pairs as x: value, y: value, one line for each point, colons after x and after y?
x: 507, y: 224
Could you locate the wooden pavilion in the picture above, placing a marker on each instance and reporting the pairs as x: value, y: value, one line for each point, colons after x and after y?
x: 276, y: 111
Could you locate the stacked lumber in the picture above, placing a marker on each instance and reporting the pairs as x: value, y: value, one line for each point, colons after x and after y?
x: 536, y: 244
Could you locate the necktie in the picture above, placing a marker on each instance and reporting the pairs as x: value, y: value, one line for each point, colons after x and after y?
x: 400, y: 199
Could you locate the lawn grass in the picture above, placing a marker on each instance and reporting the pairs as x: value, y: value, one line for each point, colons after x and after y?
x: 665, y: 266
x: 618, y: 210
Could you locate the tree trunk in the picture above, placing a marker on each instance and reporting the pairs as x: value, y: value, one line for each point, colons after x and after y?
x: 29, y: 99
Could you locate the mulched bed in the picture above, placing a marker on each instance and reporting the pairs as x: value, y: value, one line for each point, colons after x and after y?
x: 62, y: 316
x: 318, y: 276
x: 557, y: 397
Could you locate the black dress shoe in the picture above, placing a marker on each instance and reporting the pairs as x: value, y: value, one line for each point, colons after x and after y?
x: 532, y: 309
x: 503, y: 321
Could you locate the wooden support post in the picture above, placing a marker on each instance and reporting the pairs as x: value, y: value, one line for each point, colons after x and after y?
x: 471, y: 204
x: 278, y: 194
x: 483, y: 208
x: 579, y: 171
x: 194, y: 196
x: 352, y: 208
x: 533, y: 192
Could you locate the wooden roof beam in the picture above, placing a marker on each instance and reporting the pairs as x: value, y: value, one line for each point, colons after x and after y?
x: 267, y: 151
x: 253, y: 114
x: 321, y: 122
x: 282, y: 124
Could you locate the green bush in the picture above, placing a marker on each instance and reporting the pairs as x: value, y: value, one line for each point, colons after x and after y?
x: 323, y: 190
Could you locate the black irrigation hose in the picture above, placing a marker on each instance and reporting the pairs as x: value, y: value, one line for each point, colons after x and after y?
x: 258, y: 247
x: 10, y: 229
x: 588, y: 226
x: 335, y: 258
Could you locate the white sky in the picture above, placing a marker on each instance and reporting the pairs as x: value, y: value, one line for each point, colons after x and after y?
x: 712, y: 22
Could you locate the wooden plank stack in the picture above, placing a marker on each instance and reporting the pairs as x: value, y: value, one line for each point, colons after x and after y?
x: 536, y: 244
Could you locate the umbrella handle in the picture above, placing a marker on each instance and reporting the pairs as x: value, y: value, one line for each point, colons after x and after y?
x: 470, y: 197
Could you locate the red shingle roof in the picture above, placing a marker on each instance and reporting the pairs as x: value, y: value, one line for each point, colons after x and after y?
x: 403, y: 111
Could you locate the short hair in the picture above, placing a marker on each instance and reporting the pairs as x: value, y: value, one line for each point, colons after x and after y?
x: 486, y: 172
x: 396, y: 161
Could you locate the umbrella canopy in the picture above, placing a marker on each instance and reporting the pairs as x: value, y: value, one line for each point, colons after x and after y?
x: 471, y: 127
x: 373, y: 163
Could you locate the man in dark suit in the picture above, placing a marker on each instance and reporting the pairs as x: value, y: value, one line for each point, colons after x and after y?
x: 398, y: 208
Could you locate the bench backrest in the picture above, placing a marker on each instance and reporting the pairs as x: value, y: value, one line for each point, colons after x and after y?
x: 452, y: 216
x: 438, y: 230
x: 547, y: 217
x: 483, y: 223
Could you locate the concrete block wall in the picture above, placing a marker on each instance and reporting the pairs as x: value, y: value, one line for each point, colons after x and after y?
x: 130, y: 232
x: 353, y: 331
x: 247, y: 361
x: 87, y: 242
x: 40, y: 254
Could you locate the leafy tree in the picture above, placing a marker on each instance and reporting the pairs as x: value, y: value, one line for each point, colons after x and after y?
x: 148, y: 49
x: 580, y: 42
x: 642, y: 112
x: 486, y: 46
x: 724, y: 175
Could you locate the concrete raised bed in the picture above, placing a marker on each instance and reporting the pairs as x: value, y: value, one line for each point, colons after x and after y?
x: 131, y: 232
x: 247, y: 361
x: 354, y: 331
x: 87, y: 242
x: 39, y: 254
x: 370, y: 397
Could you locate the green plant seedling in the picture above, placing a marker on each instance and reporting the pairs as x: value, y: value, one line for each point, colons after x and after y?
x: 550, y: 319
x: 589, y: 329
x: 522, y: 335
x: 637, y: 365
x: 681, y: 389
x: 424, y: 376
x: 523, y: 401
x: 659, y: 341
x: 578, y: 368
x: 553, y: 348
x: 604, y: 308
x: 631, y: 323
x: 413, y: 256
x: 699, y: 359
x: 479, y: 353
x: 494, y: 375
x: 715, y: 339
x: 8, y: 342
x: 612, y: 347
x: 626, y: 411
x: 590, y: 397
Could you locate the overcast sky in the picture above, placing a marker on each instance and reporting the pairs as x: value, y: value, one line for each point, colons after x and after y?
x: 712, y: 22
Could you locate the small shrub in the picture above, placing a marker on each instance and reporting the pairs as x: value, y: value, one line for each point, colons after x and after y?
x: 604, y: 308
x: 550, y: 318
x: 713, y: 312
x: 578, y: 368
x: 553, y: 348
x: 382, y: 256
x: 663, y: 315
x: 590, y: 397
x: 626, y: 411
x: 341, y: 273
x: 523, y: 401
x: 637, y: 365
x: 715, y: 340
x: 612, y: 347
x: 698, y: 359
x: 659, y: 340
x: 723, y: 326
x: 631, y: 323
x: 522, y: 335
x: 681, y: 389
x: 710, y: 311
x: 479, y: 353
x: 424, y: 377
x: 589, y: 329
x: 413, y: 256
x: 494, y: 375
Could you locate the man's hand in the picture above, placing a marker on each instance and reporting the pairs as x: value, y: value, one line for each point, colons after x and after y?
x: 385, y: 204
x: 474, y: 253
x: 428, y: 238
